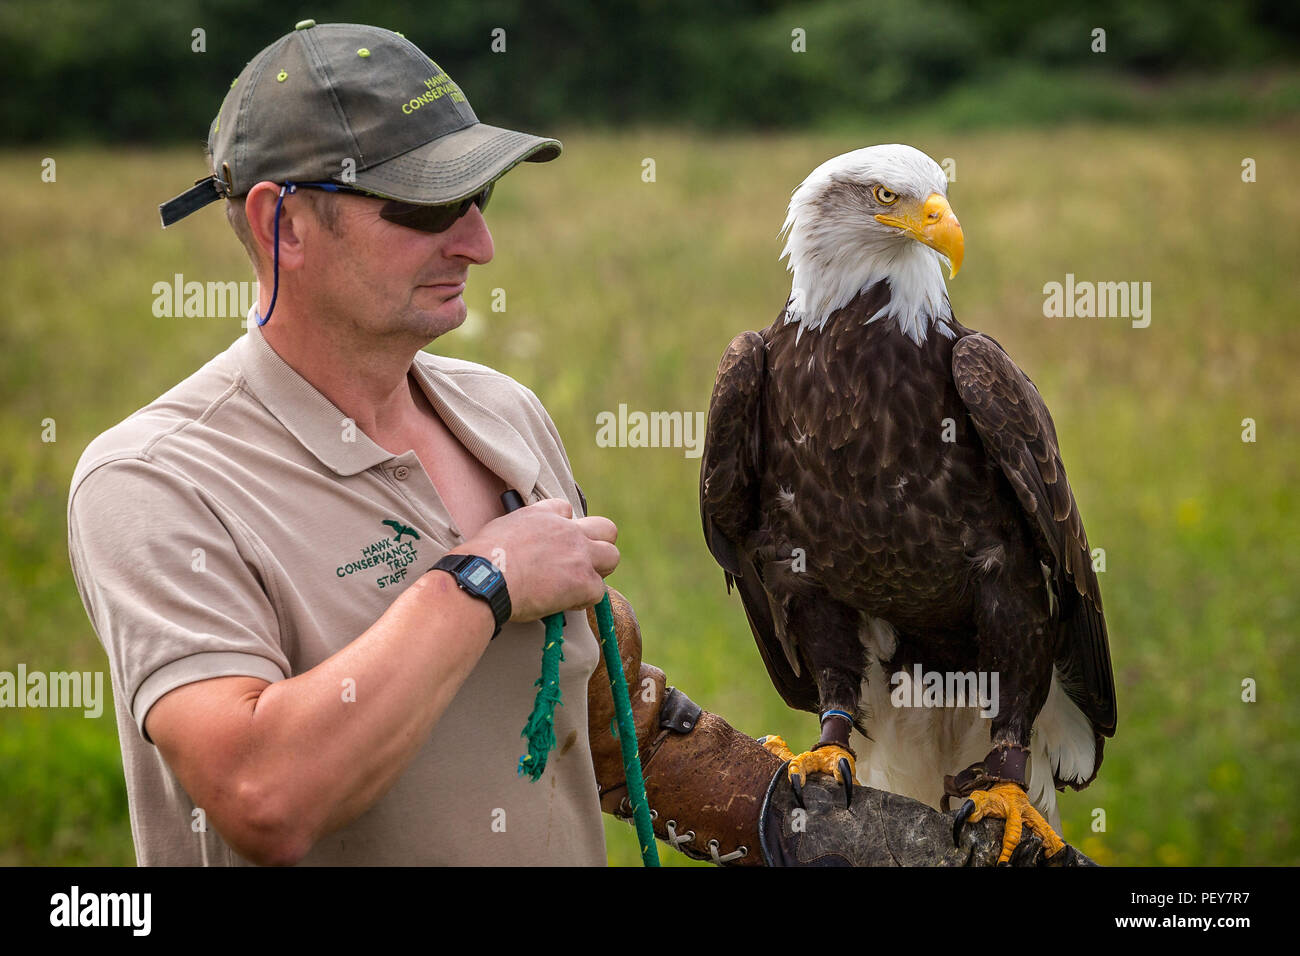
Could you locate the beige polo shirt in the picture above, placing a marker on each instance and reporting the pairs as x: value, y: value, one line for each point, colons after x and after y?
x: 239, y: 525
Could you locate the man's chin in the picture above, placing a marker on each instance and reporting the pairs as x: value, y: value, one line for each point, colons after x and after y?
x: 439, y: 320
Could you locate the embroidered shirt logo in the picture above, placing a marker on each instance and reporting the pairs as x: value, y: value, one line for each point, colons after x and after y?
x: 401, y: 529
x: 393, y: 553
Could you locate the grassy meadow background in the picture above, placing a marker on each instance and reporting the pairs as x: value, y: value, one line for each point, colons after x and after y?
x: 622, y: 291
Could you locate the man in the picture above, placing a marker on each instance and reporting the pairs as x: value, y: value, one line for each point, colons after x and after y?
x: 294, y: 681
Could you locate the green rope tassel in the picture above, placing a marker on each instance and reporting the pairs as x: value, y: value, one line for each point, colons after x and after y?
x: 540, y: 729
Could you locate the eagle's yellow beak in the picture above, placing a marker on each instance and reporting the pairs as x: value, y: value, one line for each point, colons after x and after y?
x: 934, y: 224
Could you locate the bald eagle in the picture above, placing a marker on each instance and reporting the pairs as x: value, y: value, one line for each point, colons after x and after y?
x: 884, y: 488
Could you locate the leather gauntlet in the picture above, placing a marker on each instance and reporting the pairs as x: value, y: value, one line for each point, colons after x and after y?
x: 705, y: 781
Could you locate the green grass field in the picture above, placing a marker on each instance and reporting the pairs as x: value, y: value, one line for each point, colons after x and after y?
x: 622, y: 291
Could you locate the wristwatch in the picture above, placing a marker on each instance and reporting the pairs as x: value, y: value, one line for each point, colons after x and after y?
x: 481, y: 578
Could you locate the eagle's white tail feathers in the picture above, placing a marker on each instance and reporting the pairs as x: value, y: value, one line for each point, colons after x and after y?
x: 912, y: 748
x: 1063, y: 744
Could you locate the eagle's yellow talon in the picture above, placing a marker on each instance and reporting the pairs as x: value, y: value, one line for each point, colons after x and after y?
x: 1009, y: 802
x: 776, y: 746
x: 831, y: 759
x: 823, y: 760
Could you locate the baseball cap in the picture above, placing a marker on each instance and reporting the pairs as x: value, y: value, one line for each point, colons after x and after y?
x: 359, y: 106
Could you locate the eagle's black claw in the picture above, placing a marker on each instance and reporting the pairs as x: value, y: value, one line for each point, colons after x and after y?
x: 963, y: 815
x: 797, y: 784
x: 846, y: 774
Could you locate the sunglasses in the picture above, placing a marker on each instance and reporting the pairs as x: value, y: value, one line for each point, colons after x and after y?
x: 424, y: 218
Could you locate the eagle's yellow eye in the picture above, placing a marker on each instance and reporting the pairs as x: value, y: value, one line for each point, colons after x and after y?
x: 884, y: 196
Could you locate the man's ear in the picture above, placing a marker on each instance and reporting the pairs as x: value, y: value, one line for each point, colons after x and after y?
x: 259, y: 206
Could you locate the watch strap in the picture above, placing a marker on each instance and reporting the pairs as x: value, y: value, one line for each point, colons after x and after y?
x: 498, y: 599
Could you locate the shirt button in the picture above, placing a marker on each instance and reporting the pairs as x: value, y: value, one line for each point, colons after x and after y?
x: 400, y: 472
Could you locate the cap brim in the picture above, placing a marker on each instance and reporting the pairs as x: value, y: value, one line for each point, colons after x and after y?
x: 455, y: 166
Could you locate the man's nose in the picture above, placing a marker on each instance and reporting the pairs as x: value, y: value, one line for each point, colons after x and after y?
x: 469, y: 237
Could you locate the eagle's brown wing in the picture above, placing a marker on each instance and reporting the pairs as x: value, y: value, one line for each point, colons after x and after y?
x: 1017, y: 432
x: 729, y: 505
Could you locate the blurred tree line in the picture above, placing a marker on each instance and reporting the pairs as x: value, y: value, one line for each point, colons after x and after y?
x: 126, y: 70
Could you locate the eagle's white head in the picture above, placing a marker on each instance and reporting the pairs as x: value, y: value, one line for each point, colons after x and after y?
x: 876, y: 213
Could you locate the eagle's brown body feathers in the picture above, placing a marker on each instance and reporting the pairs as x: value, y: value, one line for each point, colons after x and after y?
x: 850, y: 474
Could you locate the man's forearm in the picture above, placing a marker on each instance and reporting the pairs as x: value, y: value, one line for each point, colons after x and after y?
x: 315, y: 760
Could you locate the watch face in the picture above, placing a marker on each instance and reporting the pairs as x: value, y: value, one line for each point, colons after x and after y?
x: 478, y: 574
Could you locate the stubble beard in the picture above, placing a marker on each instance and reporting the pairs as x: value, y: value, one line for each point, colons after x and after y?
x: 430, y: 324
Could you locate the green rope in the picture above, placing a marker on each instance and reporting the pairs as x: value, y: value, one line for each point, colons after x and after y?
x: 540, y: 729
x: 645, y: 833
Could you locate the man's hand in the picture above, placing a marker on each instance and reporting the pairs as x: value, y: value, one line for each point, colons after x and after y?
x: 552, y: 561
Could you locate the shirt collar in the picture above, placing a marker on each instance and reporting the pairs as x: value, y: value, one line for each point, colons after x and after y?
x: 320, y: 426
x: 485, y: 434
